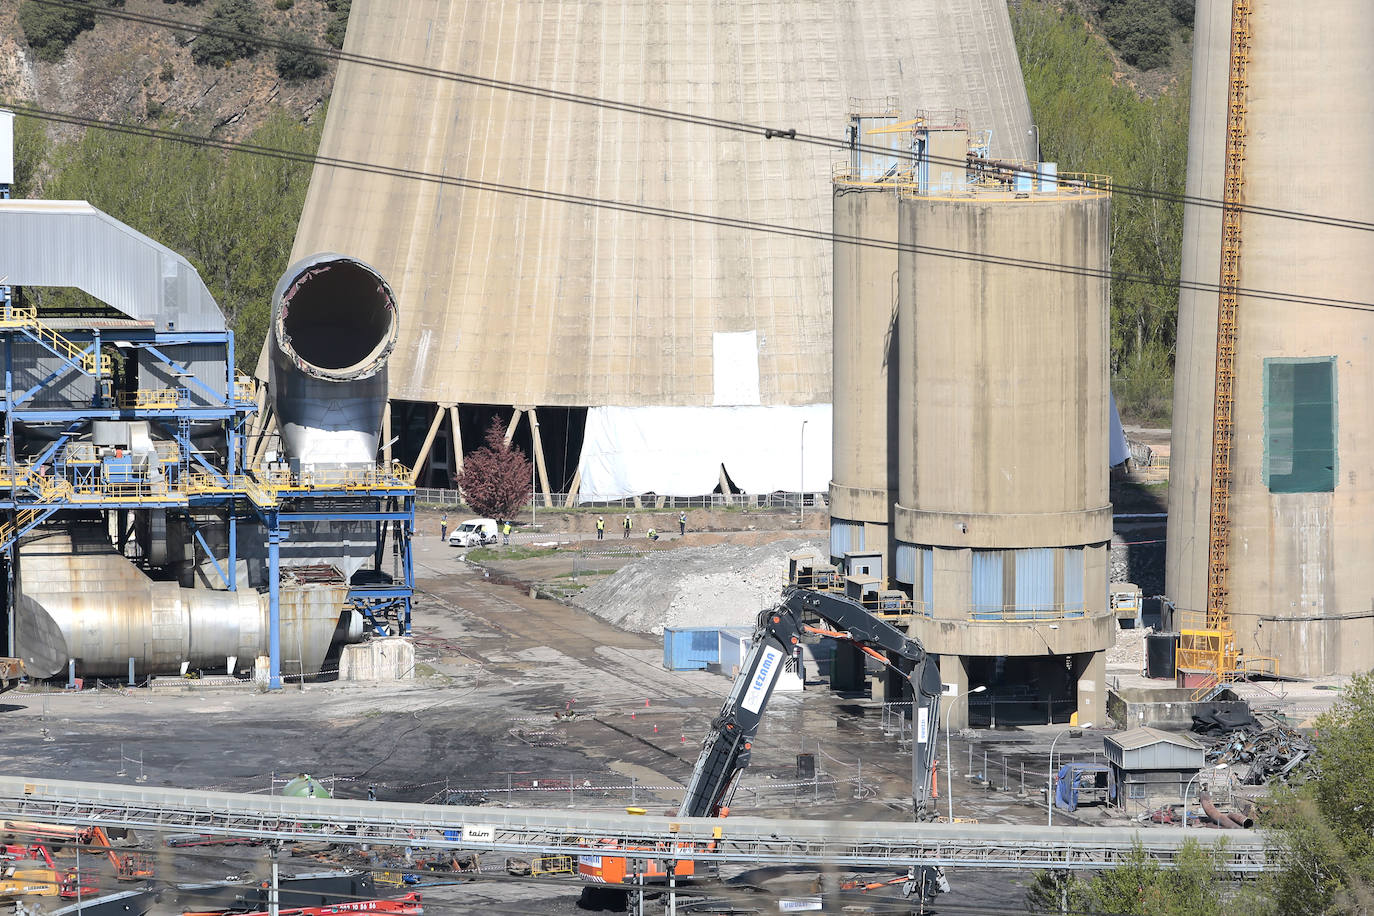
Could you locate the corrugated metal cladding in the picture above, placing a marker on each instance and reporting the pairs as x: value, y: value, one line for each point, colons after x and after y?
x: 33, y: 363
x: 1073, y: 578
x: 845, y: 537
x: 987, y: 581
x: 206, y: 363
x: 71, y: 243
x: 1034, y: 578
x: 904, y: 564
x: 527, y: 300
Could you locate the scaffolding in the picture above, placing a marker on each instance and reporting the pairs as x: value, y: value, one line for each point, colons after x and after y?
x: 62, y: 383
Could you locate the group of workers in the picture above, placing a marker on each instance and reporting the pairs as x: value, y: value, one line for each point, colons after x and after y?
x: 628, y: 524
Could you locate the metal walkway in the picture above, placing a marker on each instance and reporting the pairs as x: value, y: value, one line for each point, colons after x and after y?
x: 533, y: 831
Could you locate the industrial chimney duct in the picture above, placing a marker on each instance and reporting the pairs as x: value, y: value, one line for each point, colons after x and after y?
x: 334, y: 325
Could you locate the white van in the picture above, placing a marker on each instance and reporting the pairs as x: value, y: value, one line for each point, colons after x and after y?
x: 474, y: 533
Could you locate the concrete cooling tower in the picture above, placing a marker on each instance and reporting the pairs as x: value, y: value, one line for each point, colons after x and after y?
x: 1302, y: 458
x: 650, y: 354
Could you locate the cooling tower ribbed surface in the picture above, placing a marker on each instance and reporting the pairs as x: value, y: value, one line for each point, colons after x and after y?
x: 1302, y: 493
x: 511, y: 299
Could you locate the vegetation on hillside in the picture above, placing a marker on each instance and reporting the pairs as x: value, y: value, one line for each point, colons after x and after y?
x: 1091, y: 122
x: 1140, y: 886
x: 233, y: 215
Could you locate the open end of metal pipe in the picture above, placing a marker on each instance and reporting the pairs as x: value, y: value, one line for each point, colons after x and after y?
x: 335, y: 318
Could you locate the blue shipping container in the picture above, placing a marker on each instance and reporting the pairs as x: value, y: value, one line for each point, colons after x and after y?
x: 690, y: 648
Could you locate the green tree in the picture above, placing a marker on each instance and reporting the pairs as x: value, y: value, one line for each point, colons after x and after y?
x: 296, y: 64
x: 1139, y: 886
x: 1141, y: 30
x: 1325, y: 827
x: 49, y: 29
x: 241, y: 22
x: 233, y: 215
x: 338, y: 21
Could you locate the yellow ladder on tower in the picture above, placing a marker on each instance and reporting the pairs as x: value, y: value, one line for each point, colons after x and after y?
x: 1212, y: 648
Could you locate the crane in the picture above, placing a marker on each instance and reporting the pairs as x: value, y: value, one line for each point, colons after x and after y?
x: 728, y: 744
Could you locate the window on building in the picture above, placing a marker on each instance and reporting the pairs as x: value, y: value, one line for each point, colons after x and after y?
x: 1034, y: 580
x: 1300, y: 425
x: 1137, y: 789
x: 1073, y: 579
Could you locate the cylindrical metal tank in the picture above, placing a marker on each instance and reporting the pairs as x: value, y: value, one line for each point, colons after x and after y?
x: 1002, y: 510
x: 864, y: 455
x: 1302, y: 459
x: 334, y: 325
x: 81, y: 600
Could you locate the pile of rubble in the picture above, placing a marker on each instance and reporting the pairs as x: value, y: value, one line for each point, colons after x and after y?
x: 1259, y: 749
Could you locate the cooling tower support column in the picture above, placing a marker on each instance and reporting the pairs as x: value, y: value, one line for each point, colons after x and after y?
x: 274, y: 538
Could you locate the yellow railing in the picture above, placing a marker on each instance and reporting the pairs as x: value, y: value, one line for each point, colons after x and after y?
x: 27, y: 317
x: 245, y: 387
x: 1010, y: 613
x: 155, y: 398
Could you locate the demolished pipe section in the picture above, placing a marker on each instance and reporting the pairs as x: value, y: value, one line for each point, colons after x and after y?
x: 334, y: 325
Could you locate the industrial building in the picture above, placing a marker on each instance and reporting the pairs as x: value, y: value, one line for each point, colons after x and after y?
x: 141, y: 541
x: 1272, y: 467
x: 972, y: 470
x: 634, y: 352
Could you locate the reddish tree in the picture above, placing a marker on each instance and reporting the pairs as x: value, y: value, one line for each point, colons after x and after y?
x: 496, y: 478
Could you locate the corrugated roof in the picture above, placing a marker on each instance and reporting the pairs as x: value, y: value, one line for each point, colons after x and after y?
x: 70, y: 243
x: 1144, y: 736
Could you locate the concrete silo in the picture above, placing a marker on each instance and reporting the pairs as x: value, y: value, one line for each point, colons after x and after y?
x: 678, y: 345
x: 1002, y: 522
x: 1301, y: 468
x: 888, y: 154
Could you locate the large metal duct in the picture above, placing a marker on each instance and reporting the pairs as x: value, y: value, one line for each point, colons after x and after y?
x: 81, y: 600
x: 1003, y: 516
x: 1302, y: 459
x: 334, y: 325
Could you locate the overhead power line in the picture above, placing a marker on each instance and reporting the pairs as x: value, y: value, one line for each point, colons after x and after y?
x: 764, y: 131
x: 668, y: 212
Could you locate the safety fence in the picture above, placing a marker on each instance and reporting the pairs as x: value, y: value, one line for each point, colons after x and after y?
x: 434, y: 496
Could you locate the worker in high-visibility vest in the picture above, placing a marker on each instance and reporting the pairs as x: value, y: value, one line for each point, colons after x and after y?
x: 506, y: 532
x: 600, y: 528
x: 681, y: 523
x: 627, y: 524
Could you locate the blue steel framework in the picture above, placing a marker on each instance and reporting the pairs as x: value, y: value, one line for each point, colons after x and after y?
x: 59, y: 478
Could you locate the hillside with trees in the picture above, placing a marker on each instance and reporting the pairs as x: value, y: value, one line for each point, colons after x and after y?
x: 232, y: 214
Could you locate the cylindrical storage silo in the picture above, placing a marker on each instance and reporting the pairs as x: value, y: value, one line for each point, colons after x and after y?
x: 1003, y: 520
x: 864, y: 457
x: 1302, y: 456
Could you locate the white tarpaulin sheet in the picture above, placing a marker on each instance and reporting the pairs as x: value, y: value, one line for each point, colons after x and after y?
x: 678, y: 451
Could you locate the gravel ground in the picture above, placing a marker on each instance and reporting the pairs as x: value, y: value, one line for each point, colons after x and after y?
x: 720, y: 585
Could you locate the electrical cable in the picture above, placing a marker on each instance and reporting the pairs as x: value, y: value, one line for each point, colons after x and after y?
x: 665, y: 113
x: 670, y: 213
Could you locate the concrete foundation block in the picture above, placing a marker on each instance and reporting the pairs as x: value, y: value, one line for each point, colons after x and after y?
x: 388, y: 658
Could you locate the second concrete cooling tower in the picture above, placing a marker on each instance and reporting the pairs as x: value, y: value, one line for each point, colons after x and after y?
x: 1002, y: 521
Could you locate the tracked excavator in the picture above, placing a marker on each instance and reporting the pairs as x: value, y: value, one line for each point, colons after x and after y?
x: 727, y: 746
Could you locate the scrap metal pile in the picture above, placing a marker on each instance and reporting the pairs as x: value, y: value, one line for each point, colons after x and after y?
x: 1260, y: 749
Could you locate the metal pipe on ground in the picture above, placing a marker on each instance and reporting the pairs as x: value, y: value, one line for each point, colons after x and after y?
x: 1221, y: 820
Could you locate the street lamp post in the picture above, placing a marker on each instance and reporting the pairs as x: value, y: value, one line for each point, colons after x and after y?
x: 949, y: 756
x: 1189, y: 788
x: 801, y: 490
x: 1049, y: 796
